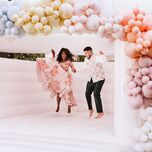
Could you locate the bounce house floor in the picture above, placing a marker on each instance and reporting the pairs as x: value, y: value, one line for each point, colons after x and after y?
x: 56, y: 132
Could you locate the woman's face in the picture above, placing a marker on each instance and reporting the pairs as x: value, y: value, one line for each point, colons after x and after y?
x: 64, y: 56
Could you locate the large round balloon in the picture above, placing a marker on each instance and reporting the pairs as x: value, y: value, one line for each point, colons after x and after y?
x: 29, y: 28
x: 66, y: 11
x: 93, y: 22
x: 130, y: 51
x: 4, y: 3
x: 12, y: 11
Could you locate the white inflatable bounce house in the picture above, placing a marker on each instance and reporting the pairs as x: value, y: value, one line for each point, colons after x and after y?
x: 122, y: 29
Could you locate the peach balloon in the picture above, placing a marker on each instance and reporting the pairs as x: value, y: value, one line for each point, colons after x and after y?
x: 130, y: 51
x: 146, y: 43
x: 139, y: 40
x: 131, y: 37
x: 147, y: 35
x: 126, y: 17
x: 139, y: 47
x: 136, y: 11
x: 135, y: 29
x: 148, y: 21
x: 140, y: 17
x: 131, y: 23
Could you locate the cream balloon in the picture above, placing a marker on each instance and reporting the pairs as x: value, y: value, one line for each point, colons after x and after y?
x: 29, y: 28
x: 38, y: 26
x: 44, y: 20
x: 47, y: 29
x: 66, y: 11
x: 39, y: 11
x: 26, y: 18
x: 49, y: 10
x: 53, y: 21
x: 35, y: 19
x: 19, y: 22
x: 15, y: 17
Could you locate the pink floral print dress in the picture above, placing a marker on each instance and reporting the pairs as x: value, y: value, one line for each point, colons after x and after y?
x: 57, y: 79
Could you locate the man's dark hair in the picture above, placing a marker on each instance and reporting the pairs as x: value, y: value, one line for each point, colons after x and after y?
x: 88, y: 48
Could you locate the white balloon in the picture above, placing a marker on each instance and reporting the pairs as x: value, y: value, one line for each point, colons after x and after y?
x: 64, y: 29
x: 71, y: 29
x: 93, y: 22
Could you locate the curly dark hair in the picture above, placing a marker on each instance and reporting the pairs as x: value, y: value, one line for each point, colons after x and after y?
x: 68, y: 54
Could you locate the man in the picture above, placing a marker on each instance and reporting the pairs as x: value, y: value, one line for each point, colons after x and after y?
x: 96, y: 80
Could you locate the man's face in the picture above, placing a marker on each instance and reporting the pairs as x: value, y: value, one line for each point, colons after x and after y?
x: 88, y: 53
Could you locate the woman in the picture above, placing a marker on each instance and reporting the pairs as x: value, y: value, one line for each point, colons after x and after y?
x: 56, y: 77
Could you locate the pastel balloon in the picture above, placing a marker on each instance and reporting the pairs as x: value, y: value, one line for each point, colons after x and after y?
x: 75, y: 19
x: 146, y: 43
x: 15, y: 31
x: 44, y: 3
x: 71, y: 29
x: 19, y: 22
x: 131, y: 37
x: 38, y: 26
x: 147, y: 35
x: 53, y: 21
x: 35, y: 19
x: 131, y: 84
x: 139, y: 47
x: 135, y: 29
x: 136, y: 11
x: 9, y: 24
x: 39, y: 11
x: 29, y: 28
x: 146, y: 90
x: 139, y: 40
x: 26, y: 18
x: 145, y: 62
x: 67, y: 22
x: 140, y: 17
x: 66, y: 11
x: 145, y: 71
x: 78, y: 27
x: 136, y: 101
x: 130, y: 50
x: 44, y: 20
x: 64, y: 29
x: 138, y: 75
x: 47, y: 29
x: 126, y: 17
x: 15, y: 18
x: 4, y: 3
x: 148, y: 21
x: 96, y: 6
x: 145, y: 79
x: 138, y: 82
x: 147, y: 103
x: 83, y: 19
x: 131, y: 23
x: 93, y: 22
x: 49, y: 10
x: 55, y: 5
x: 4, y: 10
x: 12, y: 11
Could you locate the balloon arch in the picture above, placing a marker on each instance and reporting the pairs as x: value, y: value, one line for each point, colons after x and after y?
x: 75, y: 16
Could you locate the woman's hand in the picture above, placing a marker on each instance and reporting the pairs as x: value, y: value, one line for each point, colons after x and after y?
x: 74, y: 70
x: 53, y: 53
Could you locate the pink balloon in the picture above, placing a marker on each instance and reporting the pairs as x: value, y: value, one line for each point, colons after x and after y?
x: 148, y: 21
x: 145, y: 79
x: 135, y: 65
x: 138, y: 82
x: 147, y: 35
x: 133, y: 72
x: 145, y: 71
x: 131, y: 84
x: 145, y: 62
x: 140, y: 17
x: 147, y: 90
x: 126, y: 17
x: 139, y: 47
x: 96, y: 6
x: 134, y: 91
x: 130, y: 78
x: 138, y: 75
x: 139, y: 40
x: 146, y: 43
x: 130, y: 51
x: 93, y: 22
x: 136, y: 101
x: 136, y: 11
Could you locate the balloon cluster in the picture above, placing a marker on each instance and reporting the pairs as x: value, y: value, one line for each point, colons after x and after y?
x: 7, y: 26
x: 43, y: 18
x: 86, y: 17
x: 139, y: 85
x: 144, y: 135
x: 111, y: 28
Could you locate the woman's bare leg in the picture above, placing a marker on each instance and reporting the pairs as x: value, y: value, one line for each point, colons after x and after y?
x: 58, y: 99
